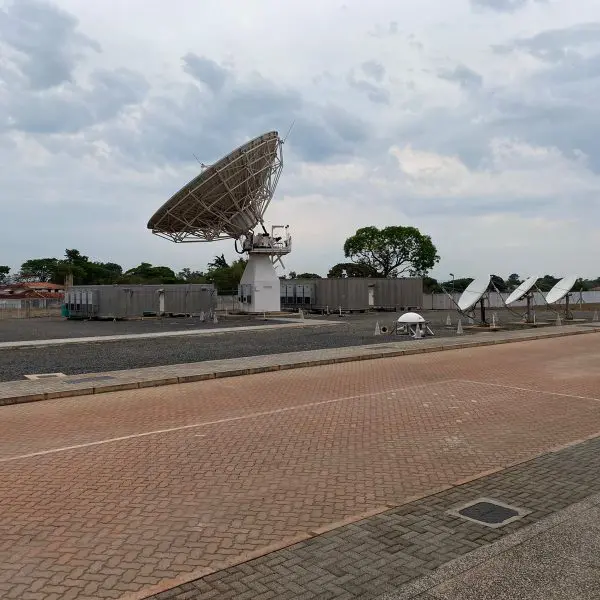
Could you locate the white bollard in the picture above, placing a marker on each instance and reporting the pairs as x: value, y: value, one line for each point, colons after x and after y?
x: 595, y: 317
x: 448, y: 321
x: 459, y: 329
x: 558, y: 321
x: 377, y: 329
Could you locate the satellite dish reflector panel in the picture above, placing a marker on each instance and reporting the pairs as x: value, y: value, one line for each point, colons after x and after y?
x: 522, y: 289
x: 227, y: 199
x: 473, y: 293
x: 411, y: 317
x: 561, y: 289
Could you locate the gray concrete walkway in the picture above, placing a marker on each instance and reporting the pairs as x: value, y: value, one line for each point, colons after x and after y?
x: 557, y: 558
x: 12, y: 392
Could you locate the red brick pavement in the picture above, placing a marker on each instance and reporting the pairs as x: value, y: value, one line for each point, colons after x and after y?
x: 258, y: 461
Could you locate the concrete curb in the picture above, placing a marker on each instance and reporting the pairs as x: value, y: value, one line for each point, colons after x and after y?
x: 17, y: 392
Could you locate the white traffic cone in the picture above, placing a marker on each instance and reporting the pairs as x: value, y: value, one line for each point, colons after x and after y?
x: 494, y: 323
x: 448, y: 321
x: 301, y: 313
x: 558, y: 321
x: 202, y: 317
x: 215, y: 319
x: 595, y: 317
x: 377, y: 329
x: 459, y: 329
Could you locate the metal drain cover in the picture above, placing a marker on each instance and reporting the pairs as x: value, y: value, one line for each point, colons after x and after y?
x: 489, y: 512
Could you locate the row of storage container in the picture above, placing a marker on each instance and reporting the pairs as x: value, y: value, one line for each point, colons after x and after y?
x: 130, y: 301
x: 353, y: 294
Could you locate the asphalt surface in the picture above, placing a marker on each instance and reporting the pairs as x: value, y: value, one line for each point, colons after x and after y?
x: 349, y: 330
x: 16, y: 330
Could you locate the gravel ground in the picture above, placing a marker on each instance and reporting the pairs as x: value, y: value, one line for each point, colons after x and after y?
x: 13, y: 330
x: 350, y: 330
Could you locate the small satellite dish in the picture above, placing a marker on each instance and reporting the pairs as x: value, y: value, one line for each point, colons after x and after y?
x: 473, y: 293
x: 413, y: 324
x: 561, y: 289
x: 522, y: 290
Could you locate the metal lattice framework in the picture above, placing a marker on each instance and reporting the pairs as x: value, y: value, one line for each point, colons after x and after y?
x: 228, y: 199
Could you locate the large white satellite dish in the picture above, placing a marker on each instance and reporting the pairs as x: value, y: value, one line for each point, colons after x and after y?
x: 561, y: 289
x: 228, y: 200
x: 522, y: 290
x: 473, y: 293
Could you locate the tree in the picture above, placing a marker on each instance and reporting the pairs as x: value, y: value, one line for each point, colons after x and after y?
x: 190, y: 276
x: 513, y: 281
x: 500, y: 284
x: 4, y: 271
x: 226, y: 278
x: 430, y: 285
x: 352, y: 270
x: 392, y: 251
x: 547, y: 282
x: 456, y: 285
x: 218, y: 263
x: 39, y: 269
x: 307, y: 276
x: 146, y: 273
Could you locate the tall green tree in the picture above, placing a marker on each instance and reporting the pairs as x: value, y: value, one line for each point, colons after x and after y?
x: 4, y: 272
x: 392, y: 251
x: 224, y: 276
x: 39, y: 269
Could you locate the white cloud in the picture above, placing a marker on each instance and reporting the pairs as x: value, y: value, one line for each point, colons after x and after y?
x: 478, y: 126
x: 512, y: 169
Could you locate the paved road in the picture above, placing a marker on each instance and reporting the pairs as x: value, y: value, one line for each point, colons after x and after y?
x: 140, y: 490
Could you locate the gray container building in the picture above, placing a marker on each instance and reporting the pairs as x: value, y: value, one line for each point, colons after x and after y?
x: 397, y: 294
x: 134, y: 301
x: 353, y: 294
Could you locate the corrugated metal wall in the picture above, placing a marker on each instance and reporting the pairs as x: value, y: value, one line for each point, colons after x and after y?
x: 443, y: 302
x: 398, y: 293
x: 128, y: 301
x: 349, y: 293
x: 352, y: 293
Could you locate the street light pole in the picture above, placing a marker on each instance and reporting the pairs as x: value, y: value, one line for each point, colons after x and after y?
x: 452, y: 275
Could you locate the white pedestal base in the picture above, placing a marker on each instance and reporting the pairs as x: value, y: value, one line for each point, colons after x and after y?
x: 260, y: 289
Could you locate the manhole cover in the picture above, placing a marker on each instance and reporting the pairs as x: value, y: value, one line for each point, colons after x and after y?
x: 488, y: 512
x: 35, y: 376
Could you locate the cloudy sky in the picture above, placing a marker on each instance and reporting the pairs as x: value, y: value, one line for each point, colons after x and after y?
x: 477, y: 121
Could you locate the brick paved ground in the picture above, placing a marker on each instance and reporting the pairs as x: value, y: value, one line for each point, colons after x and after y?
x: 377, y: 556
x: 211, y: 473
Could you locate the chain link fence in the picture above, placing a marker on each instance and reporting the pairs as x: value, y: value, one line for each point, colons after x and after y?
x: 28, y: 308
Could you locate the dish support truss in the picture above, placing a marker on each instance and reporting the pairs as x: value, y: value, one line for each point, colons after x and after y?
x: 232, y: 212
